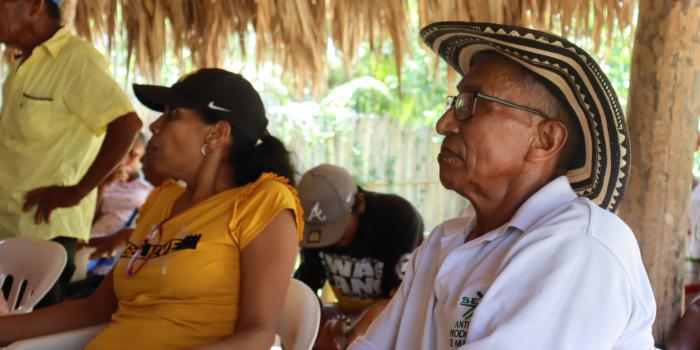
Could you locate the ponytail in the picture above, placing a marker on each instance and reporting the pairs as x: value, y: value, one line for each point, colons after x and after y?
x: 251, y: 160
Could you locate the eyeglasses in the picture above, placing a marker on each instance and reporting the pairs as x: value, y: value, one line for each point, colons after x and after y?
x: 465, y: 105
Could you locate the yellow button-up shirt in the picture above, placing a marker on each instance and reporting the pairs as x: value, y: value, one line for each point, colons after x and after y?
x: 56, y: 107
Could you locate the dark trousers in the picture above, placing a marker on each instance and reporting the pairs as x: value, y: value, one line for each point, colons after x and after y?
x: 57, y: 293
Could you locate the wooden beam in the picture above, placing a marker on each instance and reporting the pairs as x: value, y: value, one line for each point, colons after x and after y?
x: 662, y: 116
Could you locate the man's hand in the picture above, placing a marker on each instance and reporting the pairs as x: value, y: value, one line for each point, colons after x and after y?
x: 332, y: 334
x: 340, y: 330
x: 106, y: 246
x: 120, y: 135
x: 49, y: 198
x: 362, y: 323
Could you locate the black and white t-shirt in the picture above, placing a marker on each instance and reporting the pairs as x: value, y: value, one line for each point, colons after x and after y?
x: 373, y: 264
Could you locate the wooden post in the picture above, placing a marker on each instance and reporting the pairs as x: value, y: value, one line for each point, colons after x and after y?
x: 662, y: 118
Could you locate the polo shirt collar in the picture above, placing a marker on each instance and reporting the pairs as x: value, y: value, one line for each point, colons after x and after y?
x: 56, y: 43
x: 550, y: 197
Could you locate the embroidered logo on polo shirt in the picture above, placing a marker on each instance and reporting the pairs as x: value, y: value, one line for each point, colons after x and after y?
x: 458, y: 333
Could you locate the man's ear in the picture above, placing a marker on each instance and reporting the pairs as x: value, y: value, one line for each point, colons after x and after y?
x: 549, y: 141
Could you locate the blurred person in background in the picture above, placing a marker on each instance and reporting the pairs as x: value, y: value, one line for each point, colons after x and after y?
x: 358, y: 241
x: 65, y: 124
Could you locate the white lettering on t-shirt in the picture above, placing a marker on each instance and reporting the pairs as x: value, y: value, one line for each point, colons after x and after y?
x: 340, y: 283
x: 360, y: 287
x: 363, y: 268
x: 338, y: 266
x: 359, y: 278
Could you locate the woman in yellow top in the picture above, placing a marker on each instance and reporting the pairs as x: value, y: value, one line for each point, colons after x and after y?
x: 209, y: 262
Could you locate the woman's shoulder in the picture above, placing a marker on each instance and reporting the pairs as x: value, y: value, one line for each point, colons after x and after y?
x: 169, y: 186
x: 140, y: 183
x: 167, y: 189
x: 263, y: 199
x: 269, y: 184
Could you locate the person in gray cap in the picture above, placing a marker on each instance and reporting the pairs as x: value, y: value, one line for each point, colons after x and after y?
x: 65, y: 125
x: 359, y: 242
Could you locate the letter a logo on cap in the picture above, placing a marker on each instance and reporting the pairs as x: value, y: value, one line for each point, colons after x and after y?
x: 316, y: 213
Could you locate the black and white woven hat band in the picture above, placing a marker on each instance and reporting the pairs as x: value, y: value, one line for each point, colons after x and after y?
x: 603, y: 176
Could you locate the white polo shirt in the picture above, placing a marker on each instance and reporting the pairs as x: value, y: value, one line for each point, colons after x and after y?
x: 562, y: 274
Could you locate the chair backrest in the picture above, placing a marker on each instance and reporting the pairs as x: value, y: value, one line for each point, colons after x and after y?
x: 33, y: 265
x: 301, y: 315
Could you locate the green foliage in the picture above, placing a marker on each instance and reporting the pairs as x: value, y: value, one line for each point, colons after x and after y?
x: 615, y: 59
x: 376, y: 88
x: 423, y: 85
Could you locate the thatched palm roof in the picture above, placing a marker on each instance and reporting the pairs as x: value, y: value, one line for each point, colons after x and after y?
x: 295, y: 33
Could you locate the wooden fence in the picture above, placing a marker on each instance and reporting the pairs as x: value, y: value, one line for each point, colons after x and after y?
x: 382, y: 153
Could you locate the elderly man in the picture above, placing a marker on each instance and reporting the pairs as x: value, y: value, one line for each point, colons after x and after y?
x: 544, y: 265
x: 65, y: 124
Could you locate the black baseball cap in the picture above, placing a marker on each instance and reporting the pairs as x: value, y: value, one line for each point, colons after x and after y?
x: 215, y: 91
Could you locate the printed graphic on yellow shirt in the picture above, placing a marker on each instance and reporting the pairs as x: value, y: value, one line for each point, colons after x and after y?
x: 155, y: 250
x: 458, y: 333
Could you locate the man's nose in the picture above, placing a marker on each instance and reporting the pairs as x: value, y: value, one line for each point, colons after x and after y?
x: 447, y: 124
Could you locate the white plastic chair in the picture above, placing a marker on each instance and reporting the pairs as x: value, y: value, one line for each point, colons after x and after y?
x: 297, y: 326
x: 70, y: 340
x: 34, y: 264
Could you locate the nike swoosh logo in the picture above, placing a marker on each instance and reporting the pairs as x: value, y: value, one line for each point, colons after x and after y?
x: 215, y: 107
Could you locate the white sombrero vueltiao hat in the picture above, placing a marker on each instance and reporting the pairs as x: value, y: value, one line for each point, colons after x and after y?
x: 603, y: 173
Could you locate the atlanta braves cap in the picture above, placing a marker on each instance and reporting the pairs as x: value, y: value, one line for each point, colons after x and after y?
x: 327, y: 194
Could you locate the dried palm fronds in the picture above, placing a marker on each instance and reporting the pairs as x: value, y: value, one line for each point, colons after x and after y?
x: 581, y: 19
x: 295, y: 33
x: 145, y: 25
x: 355, y: 22
x: 90, y: 19
x: 584, y: 18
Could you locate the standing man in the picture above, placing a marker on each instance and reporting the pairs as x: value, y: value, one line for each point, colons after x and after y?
x: 537, y: 142
x: 65, y: 124
x: 358, y: 241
